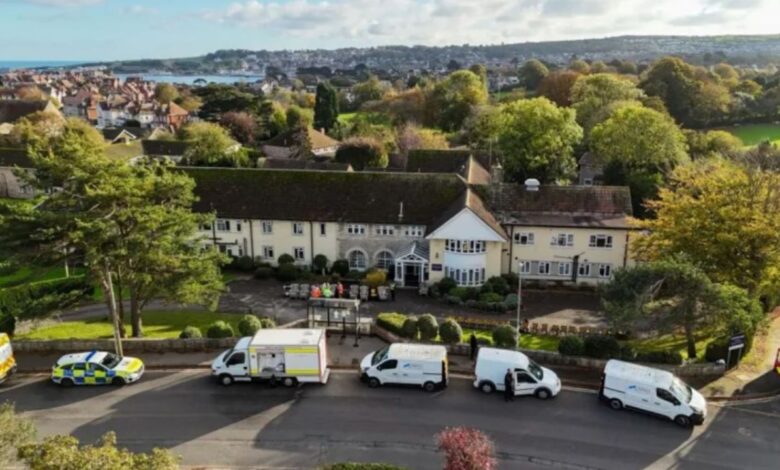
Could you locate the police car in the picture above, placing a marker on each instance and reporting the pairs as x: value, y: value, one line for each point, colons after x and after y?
x: 96, y: 368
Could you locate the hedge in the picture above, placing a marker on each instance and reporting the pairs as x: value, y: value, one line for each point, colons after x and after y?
x: 190, y: 332
x: 392, y: 322
x: 505, y: 336
x: 601, y: 347
x: 571, y: 346
x: 248, y: 325
x: 220, y: 329
x: 410, y: 329
x: 428, y: 326
x: 40, y: 298
x: 450, y: 331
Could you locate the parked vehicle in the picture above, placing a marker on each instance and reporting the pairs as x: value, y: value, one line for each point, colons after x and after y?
x: 419, y: 365
x: 7, y: 360
x: 654, y: 391
x: 96, y: 368
x: 777, y: 361
x: 289, y: 356
x: 530, y: 378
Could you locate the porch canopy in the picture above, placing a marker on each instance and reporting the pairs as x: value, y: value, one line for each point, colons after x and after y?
x: 411, y: 265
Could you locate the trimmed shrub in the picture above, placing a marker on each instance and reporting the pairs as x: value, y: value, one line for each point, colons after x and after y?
x: 320, y: 263
x: 452, y: 300
x: 392, y: 322
x: 450, y: 331
x: 510, y: 302
x: 340, y: 267
x: 263, y: 273
x: 505, y: 336
x: 410, y: 329
x: 244, y: 263
x: 220, y: 329
x: 287, y: 273
x: 285, y: 258
x: 660, y: 357
x: 571, y: 346
x: 496, y: 284
x: 428, y: 326
x: 602, y: 347
x: 7, y: 324
x: 267, y: 322
x: 491, y: 297
x: 465, y: 293
x: 717, y: 349
x: 190, y: 332
x: 446, y: 285
x: 376, y: 278
x: 248, y: 325
x: 511, y: 280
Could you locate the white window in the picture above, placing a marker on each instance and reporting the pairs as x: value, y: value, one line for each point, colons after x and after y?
x: 524, y: 238
x: 605, y: 270
x: 268, y: 252
x: 544, y: 267
x: 268, y: 227
x: 583, y: 269
x: 600, y: 241
x: 223, y: 225
x: 357, y: 260
x: 356, y: 229
x: 297, y: 228
x: 525, y: 267
x: 298, y: 253
x: 384, y: 259
x: 564, y: 269
x: 415, y: 231
x: 385, y: 230
x: 466, y: 277
x: 562, y: 239
x: 465, y: 246
x: 323, y: 230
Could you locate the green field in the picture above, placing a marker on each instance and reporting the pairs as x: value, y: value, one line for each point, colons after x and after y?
x: 31, y: 274
x: 346, y: 118
x: 754, y: 134
x: 156, y: 324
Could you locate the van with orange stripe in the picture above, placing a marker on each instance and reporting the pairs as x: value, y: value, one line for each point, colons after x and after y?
x: 7, y: 360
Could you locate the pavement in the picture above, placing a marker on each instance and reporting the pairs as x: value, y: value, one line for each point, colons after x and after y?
x: 255, y: 425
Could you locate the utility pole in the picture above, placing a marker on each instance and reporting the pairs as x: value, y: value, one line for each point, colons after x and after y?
x: 519, y: 294
x: 114, y: 318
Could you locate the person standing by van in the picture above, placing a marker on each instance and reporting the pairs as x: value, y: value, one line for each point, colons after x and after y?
x: 473, y: 344
x: 509, y: 386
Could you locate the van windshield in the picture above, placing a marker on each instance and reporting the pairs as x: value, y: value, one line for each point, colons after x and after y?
x: 535, y: 370
x: 227, y: 355
x: 380, y: 356
x: 682, y: 390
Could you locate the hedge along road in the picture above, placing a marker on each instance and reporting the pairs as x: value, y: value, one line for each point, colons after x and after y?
x: 254, y: 425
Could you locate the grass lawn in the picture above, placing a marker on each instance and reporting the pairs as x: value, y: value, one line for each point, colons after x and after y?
x: 754, y: 134
x: 124, y: 151
x: 346, y: 118
x: 30, y: 274
x: 157, y: 324
x: 671, y: 342
x: 543, y: 343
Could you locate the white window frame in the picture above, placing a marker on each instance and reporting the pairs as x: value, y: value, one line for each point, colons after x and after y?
x: 465, y: 246
x: 297, y: 229
x: 583, y: 269
x: 299, y: 253
x: 601, y: 237
x: 414, y: 231
x: 547, y: 270
x: 356, y: 229
x: 564, y: 269
x: 525, y: 267
x: 528, y: 236
x: 378, y: 257
x: 605, y: 270
x: 268, y: 227
x: 268, y: 252
x: 355, y: 266
x: 384, y: 230
x: 223, y: 225
x: 566, y: 238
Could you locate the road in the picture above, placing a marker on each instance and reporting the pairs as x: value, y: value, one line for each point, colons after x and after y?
x: 254, y: 425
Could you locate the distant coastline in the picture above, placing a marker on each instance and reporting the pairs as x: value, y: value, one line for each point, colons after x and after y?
x: 33, y: 64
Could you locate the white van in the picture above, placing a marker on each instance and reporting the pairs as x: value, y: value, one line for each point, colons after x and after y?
x: 289, y: 356
x: 654, y: 391
x: 530, y: 377
x: 406, y: 364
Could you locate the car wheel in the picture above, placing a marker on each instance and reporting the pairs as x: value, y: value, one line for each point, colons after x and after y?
x: 373, y: 382
x: 616, y: 404
x: 543, y: 394
x: 66, y: 383
x: 226, y: 380
x: 118, y: 381
x: 429, y: 386
x: 289, y: 382
x: 487, y: 387
x: 683, y: 421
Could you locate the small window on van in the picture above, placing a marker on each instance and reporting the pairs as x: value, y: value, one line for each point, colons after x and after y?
x: 391, y: 364
x: 525, y: 378
x: 666, y: 395
x: 236, y: 359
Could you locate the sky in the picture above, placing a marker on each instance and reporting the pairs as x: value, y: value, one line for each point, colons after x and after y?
x: 135, y: 29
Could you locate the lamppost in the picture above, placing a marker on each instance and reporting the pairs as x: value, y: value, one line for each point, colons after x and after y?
x: 519, y: 294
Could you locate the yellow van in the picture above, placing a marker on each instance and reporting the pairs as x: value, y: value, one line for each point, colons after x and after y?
x: 7, y: 361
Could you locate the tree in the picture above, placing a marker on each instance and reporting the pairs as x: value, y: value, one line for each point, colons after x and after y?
x: 326, y: 107
x: 369, y: 90
x: 219, y: 99
x: 362, y: 152
x: 298, y: 117
x: 579, y: 66
x: 466, y: 449
x: 242, y: 126
x: 14, y: 433
x: 210, y: 144
x: 674, y: 81
x: 726, y: 71
x: 412, y: 137
x: 532, y: 73
x: 711, y: 144
x: 723, y: 215
x: 189, y: 102
x: 537, y: 139
x: 70, y: 455
x: 165, y: 93
x: 591, y: 96
x: 557, y: 87
x: 482, y: 127
x: 453, y: 99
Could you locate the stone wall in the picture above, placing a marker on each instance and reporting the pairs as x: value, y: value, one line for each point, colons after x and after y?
x: 129, y: 346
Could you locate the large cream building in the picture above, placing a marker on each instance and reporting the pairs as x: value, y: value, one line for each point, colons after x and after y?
x: 419, y: 226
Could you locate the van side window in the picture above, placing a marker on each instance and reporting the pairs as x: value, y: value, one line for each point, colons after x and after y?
x: 235, y: 359
x: 523, y: 377
x: 666, y: 395
x: 391, y: 364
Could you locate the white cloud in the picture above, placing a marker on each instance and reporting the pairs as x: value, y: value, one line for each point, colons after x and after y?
x: 140, y: 10
x: 63, y: 3
x: 437, y: 22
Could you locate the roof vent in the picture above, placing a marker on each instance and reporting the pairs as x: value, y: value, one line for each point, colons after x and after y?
x: 532, y: 184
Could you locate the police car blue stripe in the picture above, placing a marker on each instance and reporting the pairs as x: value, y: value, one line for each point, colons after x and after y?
x: 89, y: 356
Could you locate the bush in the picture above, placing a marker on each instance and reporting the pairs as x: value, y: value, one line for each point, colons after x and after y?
x: 452, y: 300
x: 354, y: 274
x: 410, y: 329
x: 571, y: 346
x: 392, y: 322
x: 340, y: 267
x: 190, y: 332
x: 266, y: 322
x: 287, y: 273
x: 446, y: 285
x: 466, y: 448
x: 471, y: 303
x: 428, y: 326
x: 511, y: 280
x: 264, y: 273
x: 717, y: 349
x: 362, y: 152
x: 244, y: 263
x: 505, y: 336
x: 510, y: 302
x: 450, y: 331
x: 220, y: 329
x: 660, y: 357
x: 248, y: 325
x: 602, y: 347
x: 7, y: 324
x: 320, y: 263
x: 286, y: 258
x: 491, y: 297
x: 41, y: 298
x: 465, y: 293
x: 376, y: 278
x: 497, y: 285
x: 628, y: 352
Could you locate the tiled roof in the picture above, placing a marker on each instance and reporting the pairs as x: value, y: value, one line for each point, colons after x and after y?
x: 290, y: 164
x: 318, y: 139
x: 469, y: 199
x: 461, y: 162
